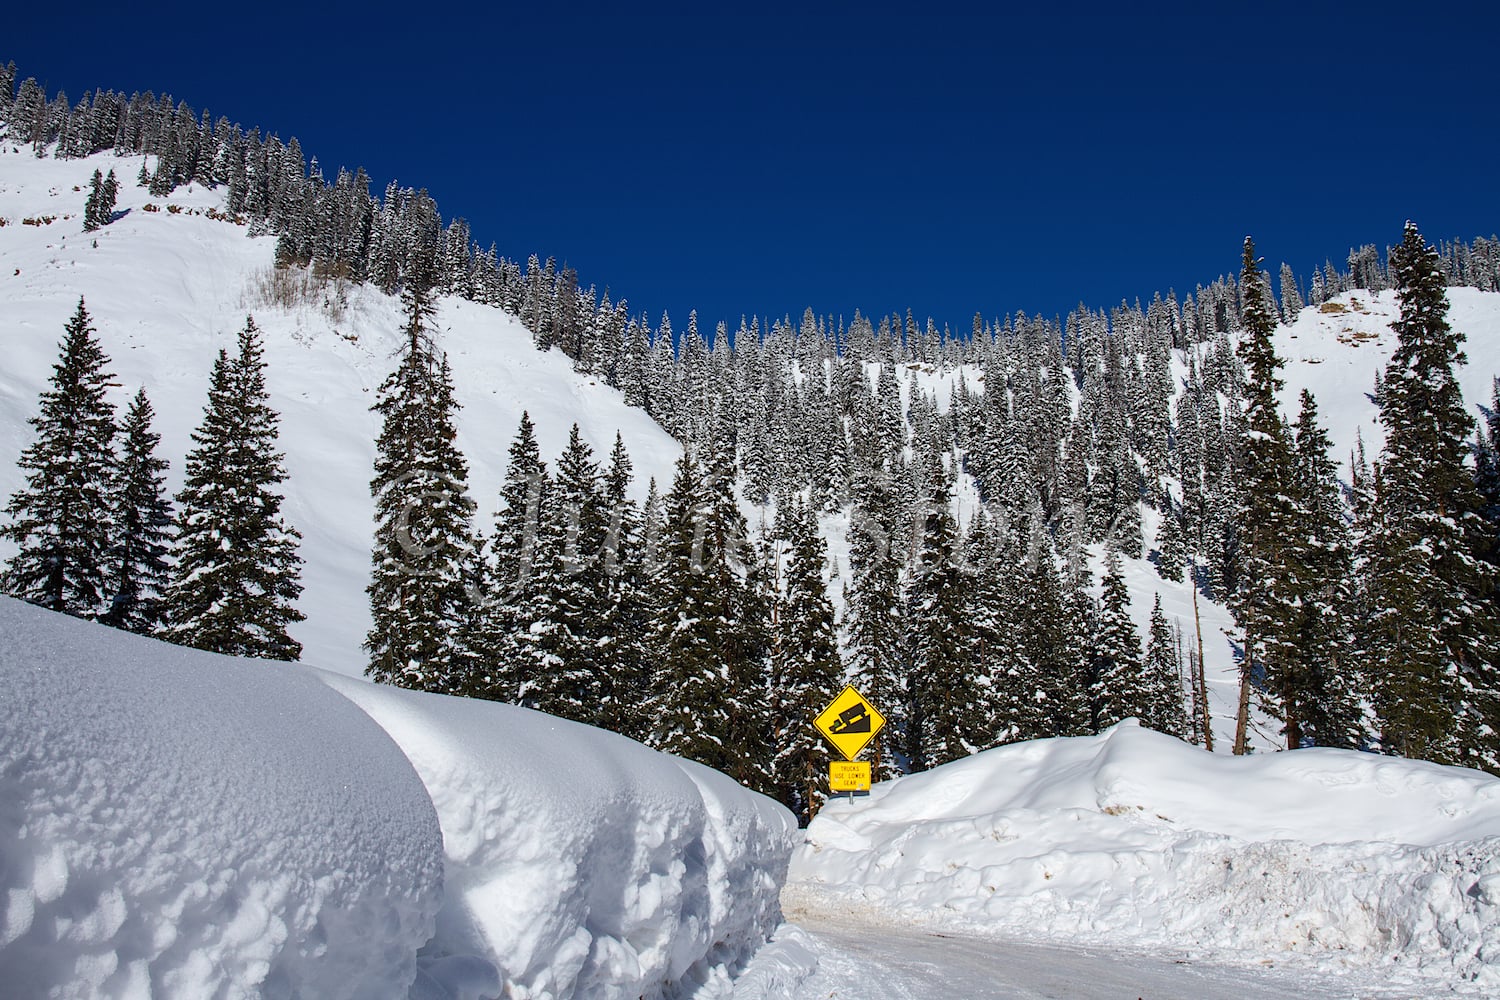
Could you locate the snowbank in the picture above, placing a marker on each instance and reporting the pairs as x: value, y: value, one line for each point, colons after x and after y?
x: 1134, y: 838
x: 179, y: 824
x: 175, y: 823
x: 580, y: 863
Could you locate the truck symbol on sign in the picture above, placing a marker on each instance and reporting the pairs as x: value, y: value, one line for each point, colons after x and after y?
x: 853, y: 719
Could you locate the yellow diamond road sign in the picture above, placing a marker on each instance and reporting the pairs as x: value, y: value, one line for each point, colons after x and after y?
x: 849, y: 722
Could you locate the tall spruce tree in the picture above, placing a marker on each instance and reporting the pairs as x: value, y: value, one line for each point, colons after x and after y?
x: 1162, y: 708
x: 690, y: 696
x: 1171, y: 545
x: 1317, y: 690
x: 1118, y: 688
x: 805, y: 667
x: 1487, y: 470
x: 236, y: 577
x: 142, y: 525
x: 993, y: 598
x: 708, y: 632
x: 515, y: 550
x: 946, y: 704
x: 623, y: 657
x: 1264, y: 604
x: 60, y: 520
x: 1428, y: 632
x: 424, y: 546
x: 99, y: 209
x: 559, y: 634
x: 872, y: 615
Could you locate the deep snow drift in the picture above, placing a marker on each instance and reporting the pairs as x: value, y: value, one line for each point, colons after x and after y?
x: 1346, y: 860
x: 179, y: 824
x: 176, y: 823
x: 580, y: 863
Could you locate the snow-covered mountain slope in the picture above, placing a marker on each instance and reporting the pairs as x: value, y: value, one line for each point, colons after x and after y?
x: 1335, y: 350
x: 168, y: 289
x: 175, y: 823
x: 1332, y: 858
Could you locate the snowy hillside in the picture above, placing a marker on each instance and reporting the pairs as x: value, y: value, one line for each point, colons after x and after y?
x: 1334, y: 859
x: 1336, y: 350
x: 180, y: 824
x: 168, y: 289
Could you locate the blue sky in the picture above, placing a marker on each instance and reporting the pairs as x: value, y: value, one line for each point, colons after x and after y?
x: 770, y: 160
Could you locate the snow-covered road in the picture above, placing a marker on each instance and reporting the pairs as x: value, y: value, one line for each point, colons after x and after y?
x: 829, y: 958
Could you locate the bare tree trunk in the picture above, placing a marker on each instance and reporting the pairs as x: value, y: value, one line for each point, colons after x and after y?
x: 1200, y: 681
x: 1242, y: 716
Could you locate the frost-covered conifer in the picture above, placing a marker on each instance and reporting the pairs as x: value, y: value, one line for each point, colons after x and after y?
x: 1264, y: 521
x: 142, y: 526
x: 946, y: 714
x: 1428, y: 632
x: 61, y: 519
x: 1317, y: 688
x: 709, y: 629
x: 872, y: 618
x: 235, y: 580
x: 1118, y: 690
x: 99, y: 209
x: 424, y: 546
x: 557, y: 638
x: 805, y: 667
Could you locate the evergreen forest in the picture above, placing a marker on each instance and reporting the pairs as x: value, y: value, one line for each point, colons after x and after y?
x: 703, y: 621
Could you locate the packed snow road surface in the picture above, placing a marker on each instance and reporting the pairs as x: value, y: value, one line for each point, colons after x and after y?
x: 831, y: 959
x: 1333, y: 861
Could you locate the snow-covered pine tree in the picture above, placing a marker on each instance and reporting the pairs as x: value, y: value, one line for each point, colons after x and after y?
x: 1000, y: 666
x: 1291, y: 298
x: 99, y: 208
x: 690, y: 697
x: 1117, y: 690
x: 236, y: 577
x: 1428, y: 634
x: 1057, y: 622
x: 947, y: 710
x: 1317, y: 690
x: 423, y: 545
x: 559, y: 634
x: 1162, y: 708
x: 1265, y: 602
x: 1171, y: 545
x: 514, y: 547
x: 519, y: 517
x: 805, y: 667
x: 872, y: 614
x: 625, y: 664
x: 60, y: 520
x: 708, y: 632
x: 1487, y: 469
x: 142, y: 526
x: 745, y: 621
